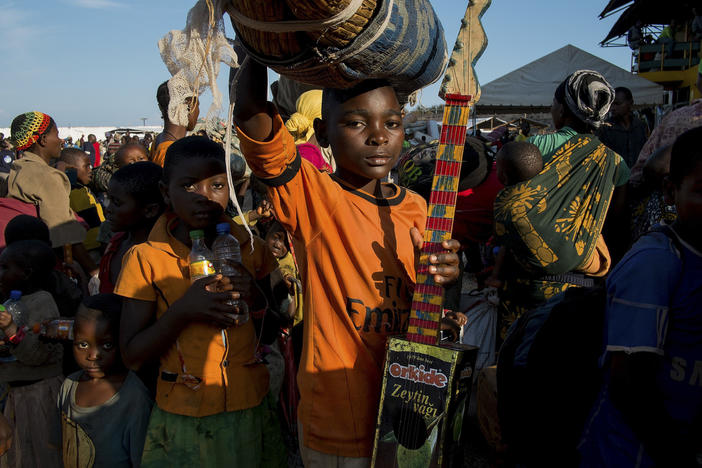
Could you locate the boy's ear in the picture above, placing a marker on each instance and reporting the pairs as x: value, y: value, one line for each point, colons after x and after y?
x: 668, y: 191
x: 151, y: 210
x: 164, y: 191
x: 320, y: 131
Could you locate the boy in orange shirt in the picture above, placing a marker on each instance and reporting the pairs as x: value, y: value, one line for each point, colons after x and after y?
x: 356, y: 240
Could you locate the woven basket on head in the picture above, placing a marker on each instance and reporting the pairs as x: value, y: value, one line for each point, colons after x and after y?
x: 280, y: 45
x: 341, y: 35
x: 287, y: 45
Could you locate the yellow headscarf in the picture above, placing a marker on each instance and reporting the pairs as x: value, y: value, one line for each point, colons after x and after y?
x: 309, y: 107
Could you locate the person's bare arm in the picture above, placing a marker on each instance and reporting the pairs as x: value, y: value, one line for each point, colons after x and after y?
x: 251, y: 109
x: 616, y: 225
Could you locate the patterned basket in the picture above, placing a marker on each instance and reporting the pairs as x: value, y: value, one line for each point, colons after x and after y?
x: 289, y: 44
x: 341, y: 35
x: 401, y: 41
x: 279, y: 45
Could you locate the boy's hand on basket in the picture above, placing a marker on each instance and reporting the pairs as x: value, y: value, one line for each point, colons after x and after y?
x: 206, y: 301
x: 444, y: 266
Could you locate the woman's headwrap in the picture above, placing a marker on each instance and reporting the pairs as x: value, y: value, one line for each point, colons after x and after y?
x: 309, y: 107
x: 588, y: 96
x: 27, y: 128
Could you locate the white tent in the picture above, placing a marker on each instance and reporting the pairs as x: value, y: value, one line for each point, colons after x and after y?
x: 533, y: 85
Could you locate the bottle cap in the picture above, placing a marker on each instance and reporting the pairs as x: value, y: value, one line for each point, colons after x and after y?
x: 198, y: 234
x: 223, y: 228
x: 16, y: 295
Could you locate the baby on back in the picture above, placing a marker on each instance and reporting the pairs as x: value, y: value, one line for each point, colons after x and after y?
x: 518, y: 161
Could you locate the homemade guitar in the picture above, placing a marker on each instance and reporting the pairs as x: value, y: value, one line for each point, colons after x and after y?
x: 426, y: 385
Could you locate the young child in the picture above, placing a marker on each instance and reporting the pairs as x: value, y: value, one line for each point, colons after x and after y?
x: 277, y: 241
x: 35, y: 376
x: 650, y: 408
x: 125, y: 155
x: 104, y: 408
x: 82, y: 200
x: 517, y: 161
x: 356, y: 241
x: 135, y: 205
x: 211, y: 406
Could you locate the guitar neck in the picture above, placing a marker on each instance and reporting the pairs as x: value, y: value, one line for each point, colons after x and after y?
x: 427, y: 302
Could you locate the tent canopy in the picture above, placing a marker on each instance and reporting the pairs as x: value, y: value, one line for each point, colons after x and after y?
x: 531, y: 87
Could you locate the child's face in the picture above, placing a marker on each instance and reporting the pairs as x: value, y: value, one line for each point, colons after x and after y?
x: 365, y: 134
x: 94, y: 347
x: 198, y: 192
x: 123, y: 211
x: 276, y: 242
x: 130, y: 156
x: 84, y: 170
x: 12, y: 274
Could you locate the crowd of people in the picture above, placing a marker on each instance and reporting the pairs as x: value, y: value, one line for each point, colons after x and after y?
x: 281, y: 363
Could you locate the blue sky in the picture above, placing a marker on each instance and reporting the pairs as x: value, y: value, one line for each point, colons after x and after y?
x: 95, y: 62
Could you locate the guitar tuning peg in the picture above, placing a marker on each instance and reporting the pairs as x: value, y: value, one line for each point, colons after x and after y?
x: 458, y: 45
x: 464, y: 23
x: 452, y: 62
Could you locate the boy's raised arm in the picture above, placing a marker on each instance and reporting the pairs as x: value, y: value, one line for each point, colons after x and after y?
x: 251, y: 111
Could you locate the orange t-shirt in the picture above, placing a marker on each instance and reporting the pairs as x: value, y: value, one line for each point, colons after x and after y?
x: 356, y: 262
x: 157, y: 271
x: 159, y: 156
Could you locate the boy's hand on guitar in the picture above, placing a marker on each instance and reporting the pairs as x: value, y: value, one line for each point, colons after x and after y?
x: 444, y: 266
x: 206, y: 301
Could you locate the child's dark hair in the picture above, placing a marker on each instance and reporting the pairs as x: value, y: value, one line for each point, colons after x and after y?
x: 26, y: 227
x: 140, y: 180
x: 273, y: 227
x: 128, y: 146
x: 163, y: 98
x: 522, y: 161
x: 188, y: 148
x: 36, y: 256
x: 332, y: 97
x: 106, y: 306
x: 72, y: 156
x: 685, y: 155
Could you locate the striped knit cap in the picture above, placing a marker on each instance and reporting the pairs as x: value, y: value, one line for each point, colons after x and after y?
x: 28, y: 127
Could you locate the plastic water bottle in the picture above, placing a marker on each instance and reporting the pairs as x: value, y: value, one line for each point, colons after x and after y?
x: 56, y: 329
x: 227, y: 254
x: 200, y: 257
x: 14, y: 308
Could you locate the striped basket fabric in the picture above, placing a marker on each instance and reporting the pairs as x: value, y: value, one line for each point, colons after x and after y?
x: 398, y: 40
